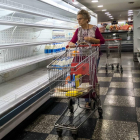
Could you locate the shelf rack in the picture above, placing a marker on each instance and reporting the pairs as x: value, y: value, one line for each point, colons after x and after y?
x: 24, y: 62
x: 33, y: 25
x: 16, y: 21
x: 30, y: 43
x: 14, y: 6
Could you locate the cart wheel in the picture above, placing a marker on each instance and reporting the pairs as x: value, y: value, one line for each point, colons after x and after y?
x: 92, y: 104
x: 71, y: 109
x: 112, y: 67
x: 75, y: 136
x: 100, y: 111
x: 59, y: 133
x: 70, y: 106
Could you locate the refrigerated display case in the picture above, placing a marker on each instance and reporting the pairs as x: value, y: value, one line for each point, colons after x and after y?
x: 28, y: 38
x: 136, y: 51
x: 32, y: 34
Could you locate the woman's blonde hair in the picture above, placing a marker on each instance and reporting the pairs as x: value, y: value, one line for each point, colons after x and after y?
x: 85, y: 14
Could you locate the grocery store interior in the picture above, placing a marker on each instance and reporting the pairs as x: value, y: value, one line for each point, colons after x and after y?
x: 44, y: 82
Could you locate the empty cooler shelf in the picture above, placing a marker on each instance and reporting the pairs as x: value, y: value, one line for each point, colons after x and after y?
x: 13, y: 65
x: 18, y: 89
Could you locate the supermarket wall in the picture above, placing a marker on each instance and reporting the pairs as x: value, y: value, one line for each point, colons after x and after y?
x: 93, y: 21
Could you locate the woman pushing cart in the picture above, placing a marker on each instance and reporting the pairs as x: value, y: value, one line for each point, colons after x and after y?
x: 74, y: 76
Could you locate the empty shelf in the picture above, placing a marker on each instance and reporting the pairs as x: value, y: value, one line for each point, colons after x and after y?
x: 18, y: 89
x: 33, y: 25
x: 13, y: 65
x: 14, y: 6
x: 14, y: 45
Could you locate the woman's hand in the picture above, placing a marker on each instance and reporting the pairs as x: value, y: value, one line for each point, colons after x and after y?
x: 92, y: 40
x: 71, y: 45
x: 88, y: 39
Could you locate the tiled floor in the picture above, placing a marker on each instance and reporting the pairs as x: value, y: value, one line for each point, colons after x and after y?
x: 120, y: 97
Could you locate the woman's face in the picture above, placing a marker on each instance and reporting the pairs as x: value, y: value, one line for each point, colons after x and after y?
x: 81, y: 20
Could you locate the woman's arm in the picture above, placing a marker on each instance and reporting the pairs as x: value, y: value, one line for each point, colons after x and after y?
x: 74, y: 39
x: 99, y: 36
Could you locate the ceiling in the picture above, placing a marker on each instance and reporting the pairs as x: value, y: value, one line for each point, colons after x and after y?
x: 117, y: 8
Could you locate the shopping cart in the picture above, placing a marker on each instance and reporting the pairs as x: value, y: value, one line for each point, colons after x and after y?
x: 113, y: 50
x: 73, y: 80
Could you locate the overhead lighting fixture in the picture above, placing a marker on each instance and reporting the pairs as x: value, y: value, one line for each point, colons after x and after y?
x: 130, y: 10
x: 90, y: 11
x: 100, y: 6
x: 75, y: 2
x: 94, y: 1
x: 104, y: 10
x: 83, y: 7
x: 110, y: 16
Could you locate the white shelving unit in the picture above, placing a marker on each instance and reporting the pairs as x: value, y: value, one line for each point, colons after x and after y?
x: 24, y: 32
x: 18, y: 7
x: 30, y: 43
x: 136, y: 34
x: 17, y: 64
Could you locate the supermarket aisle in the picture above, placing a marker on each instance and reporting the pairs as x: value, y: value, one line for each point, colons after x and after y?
x: 120, y: 98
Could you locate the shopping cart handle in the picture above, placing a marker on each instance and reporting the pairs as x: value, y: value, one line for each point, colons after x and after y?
x: 113, y: 39
x: 93, y: 45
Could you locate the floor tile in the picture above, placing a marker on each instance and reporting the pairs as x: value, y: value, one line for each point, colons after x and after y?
x: 56, y: 108
x: 104, y: 79
x: 62, y: 100
x: 102, y: 98
x: 138, y: 113
x: 121, y: 79
x: 137, y: 92
x: 126, y: 101
x: 122, y: 75
x: 88, y: 126
x: 115, y: 130
x: 119, y: 113
x: 43, y: 124
x: 103, y: 90
x: 136, y: 75
x: 55, y: 137
x: 139, y: 129
x: 104, y: 71
x: 104, y: 84
x: 121, y: 85
x: 120, y: 91
x: 30, y: 136
x: 135, y: 71
x: 137, y: 101
x: 136, y: 80
x: 105, y: 74
x: 136, y: 85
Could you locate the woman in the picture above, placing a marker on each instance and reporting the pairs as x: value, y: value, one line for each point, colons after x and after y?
x: 86, y: 33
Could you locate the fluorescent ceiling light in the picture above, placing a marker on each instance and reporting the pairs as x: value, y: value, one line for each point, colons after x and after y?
x: 110, y: 16
x: 89, y: 11
x: 104, y: 10
x: 94, y: 1
x: 100, y: 6
x: 130, y: 11
x: 75, y: 2
x: 83, y: 7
